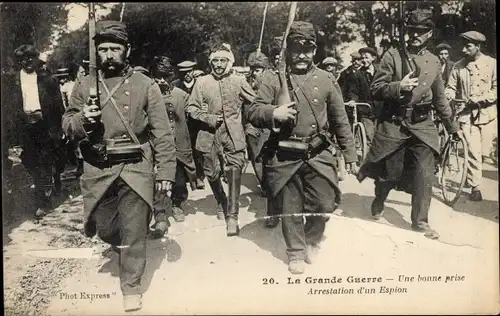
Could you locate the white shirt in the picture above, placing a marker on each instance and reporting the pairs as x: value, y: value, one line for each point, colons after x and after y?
x: 29, y: 88
x: 66, y: 90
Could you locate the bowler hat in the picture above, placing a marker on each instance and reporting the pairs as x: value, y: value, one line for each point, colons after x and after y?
x: 112, y: 31
x: 420, y: 18
x: 26, y: 50
x: 473, y: 36
x: 368, y: 50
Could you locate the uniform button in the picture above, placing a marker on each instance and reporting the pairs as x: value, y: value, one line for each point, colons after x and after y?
x: 316, y: 89
x: 313, y: 126
x: 126, y: 107
x: 424, y: 84
x: 127, y: 93
x: 425, y: 73
x: 315, y: 76
x: 315, y: 100
x: 124, y: 136
x: 126, y: 81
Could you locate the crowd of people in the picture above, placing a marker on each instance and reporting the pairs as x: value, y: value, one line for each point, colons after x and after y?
x: 154, y: 131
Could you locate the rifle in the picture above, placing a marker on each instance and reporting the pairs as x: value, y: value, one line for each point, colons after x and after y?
x: 407, y: 65
x: 94, y: 100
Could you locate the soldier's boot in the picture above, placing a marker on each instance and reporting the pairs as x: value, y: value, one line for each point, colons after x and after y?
x: 220, y: 197
x: 382, y: 190
x: 234, y: 178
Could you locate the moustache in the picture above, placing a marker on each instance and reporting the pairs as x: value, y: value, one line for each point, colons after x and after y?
x: 111, y: 64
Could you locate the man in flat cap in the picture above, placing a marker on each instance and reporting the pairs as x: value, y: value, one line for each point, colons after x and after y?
x: 406, y: 142
x: 216, y: 101
x: 186, y: 79
x: 443, y: 52
x: 330, y: 64
x: 357, y: 90
x: 66, y: 85
x: 32, y: 101
x: 298, y: 160
x: 175, y: 102
x: 118, y: 187
x: 185, y: 82
x: 474, y: 79
x: 347, y: 76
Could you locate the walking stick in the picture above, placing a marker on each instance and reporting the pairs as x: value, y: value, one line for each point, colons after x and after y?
x: 262, y: 31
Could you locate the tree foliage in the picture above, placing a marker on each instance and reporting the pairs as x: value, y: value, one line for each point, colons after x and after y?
x: 28, y: 23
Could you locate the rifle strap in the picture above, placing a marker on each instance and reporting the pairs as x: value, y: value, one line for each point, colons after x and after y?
x: 114, y: 89
x: 299, y: 87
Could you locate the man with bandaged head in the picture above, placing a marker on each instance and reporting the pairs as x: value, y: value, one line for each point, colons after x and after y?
x: 298, y: 161
x: 118, y: 193
x: 217, y: 100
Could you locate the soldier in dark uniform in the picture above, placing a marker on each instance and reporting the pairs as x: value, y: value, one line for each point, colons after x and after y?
x: 405, y: 144
x: 256, y: 137
x: 33, y: 103
x: 217, y: 100
x: 298, y: 160
x: 118, y: 196
x: 175, y: 102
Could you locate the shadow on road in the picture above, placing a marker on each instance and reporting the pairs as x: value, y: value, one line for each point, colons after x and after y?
x: 19, y: 205
x: 485, y: 209
x: 358, y: 206
x: 268, y: 239
x: 491, y: 174
x: 157, y: 251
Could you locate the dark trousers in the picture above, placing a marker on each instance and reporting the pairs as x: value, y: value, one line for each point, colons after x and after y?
x: 122, y: 219
x: 162, y: 204
x: 193, y: 127
x: 417, y: 178
x: 369, y: 128
x: 252, y: 147
x: 42, y: 160
x: 307, y: 192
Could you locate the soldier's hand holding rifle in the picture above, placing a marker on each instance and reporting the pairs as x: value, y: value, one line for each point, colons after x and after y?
x: 407, y: 83
x: 91, y: 112
x: 285, y: 112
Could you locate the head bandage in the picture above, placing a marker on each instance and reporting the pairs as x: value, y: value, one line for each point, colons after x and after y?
x: 221, y: 53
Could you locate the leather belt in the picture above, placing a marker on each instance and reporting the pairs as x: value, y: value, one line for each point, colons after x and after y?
x: 305, y: 139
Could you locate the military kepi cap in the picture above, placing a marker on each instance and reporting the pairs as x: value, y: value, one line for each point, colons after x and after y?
x: 443, y: 46
x: 111, y: 31
x: 473, y: 36
x: 186, y: 66
x: 369, y: 50
x: 260, y: 60
x: 420, y: 18
x: 302, y: 33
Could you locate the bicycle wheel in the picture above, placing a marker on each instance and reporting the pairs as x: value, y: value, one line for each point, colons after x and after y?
x: 360, y: 141
x: 454, y: 170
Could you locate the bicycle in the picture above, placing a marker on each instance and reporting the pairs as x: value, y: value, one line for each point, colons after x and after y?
x: 359, y: 129
x: 453, y: 159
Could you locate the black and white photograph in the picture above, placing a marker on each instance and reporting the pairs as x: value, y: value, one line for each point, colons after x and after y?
x: 250, y: 158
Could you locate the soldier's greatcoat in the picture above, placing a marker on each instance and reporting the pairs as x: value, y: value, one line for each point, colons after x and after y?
x: 176, y: 102
x: 390, y: 135
x: 320, y: 88
x: 140, y: 100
